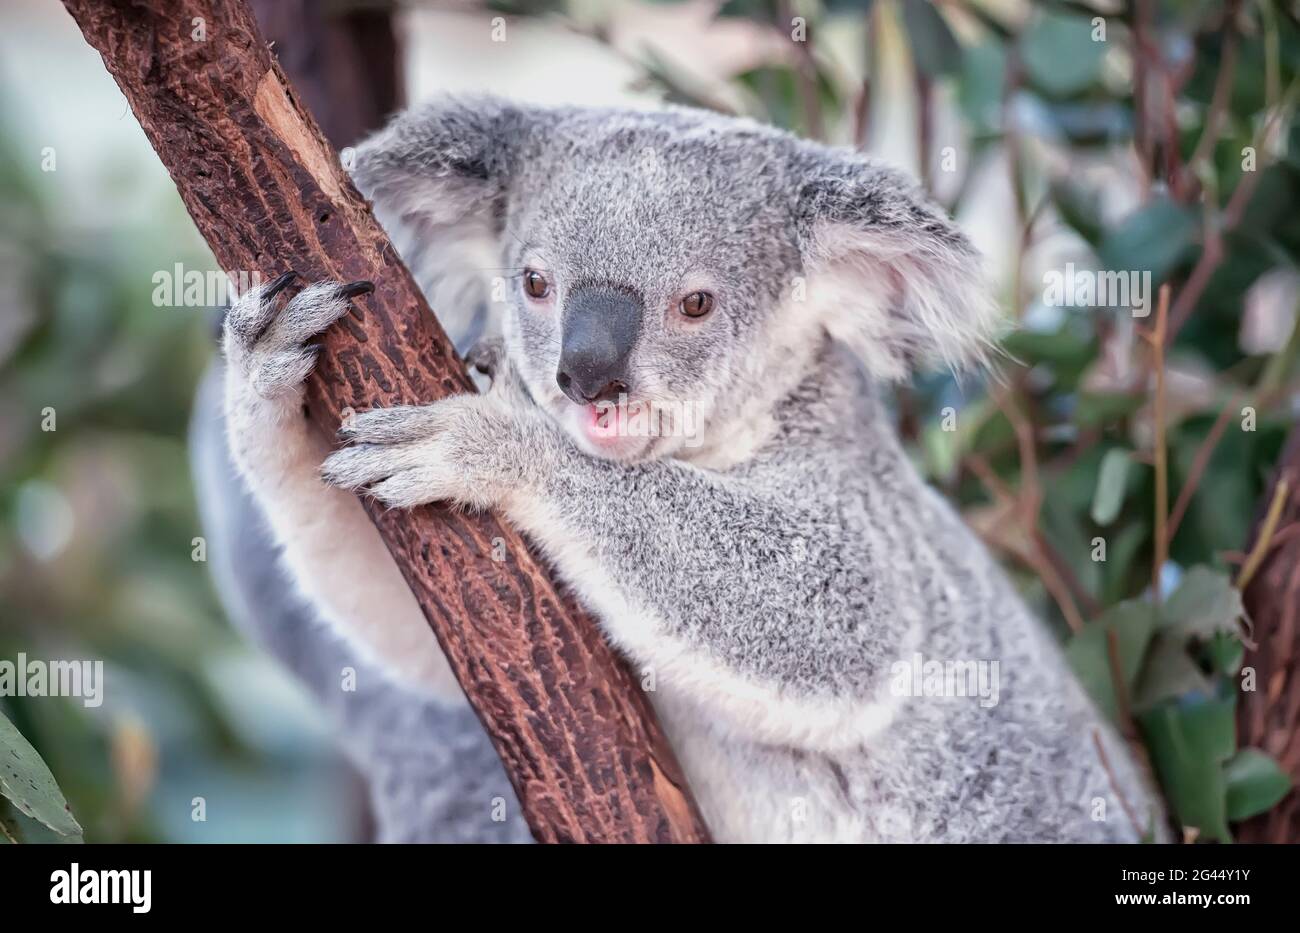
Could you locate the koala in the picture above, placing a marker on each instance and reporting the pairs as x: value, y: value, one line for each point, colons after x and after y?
x: 690, y: 324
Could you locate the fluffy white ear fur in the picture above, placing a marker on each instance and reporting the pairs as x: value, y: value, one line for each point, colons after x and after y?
x: 435, y: 177
x: 895, y: 281
x: 454, y: 259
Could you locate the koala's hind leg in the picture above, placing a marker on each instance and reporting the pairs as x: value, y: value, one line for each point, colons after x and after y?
x: 330, y: 547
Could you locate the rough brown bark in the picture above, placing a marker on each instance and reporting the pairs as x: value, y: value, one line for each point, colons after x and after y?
x: 345, y: 63
x: 1269, y: 717
x: 576, y: 734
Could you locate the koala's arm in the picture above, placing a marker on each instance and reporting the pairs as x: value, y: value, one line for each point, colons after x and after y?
x: 332, y: 550
x: 727, y: 591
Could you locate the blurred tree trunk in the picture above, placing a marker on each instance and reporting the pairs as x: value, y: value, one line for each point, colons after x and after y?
x: 576, y: 733
x: 1269, y: 717
x: 344, y: 62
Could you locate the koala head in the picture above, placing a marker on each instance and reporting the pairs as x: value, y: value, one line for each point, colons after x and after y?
x: 662, y: 278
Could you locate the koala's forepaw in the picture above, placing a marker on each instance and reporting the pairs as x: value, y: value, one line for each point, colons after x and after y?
x: 459, y: 449
x: 266, y: 343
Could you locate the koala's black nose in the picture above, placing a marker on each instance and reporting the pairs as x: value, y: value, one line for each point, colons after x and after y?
x: 600, y: 327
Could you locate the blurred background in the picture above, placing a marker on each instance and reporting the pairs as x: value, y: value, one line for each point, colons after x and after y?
x: 1127, y: 472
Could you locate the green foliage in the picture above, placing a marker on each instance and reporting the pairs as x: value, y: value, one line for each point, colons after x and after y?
x: 1190, y: 742
x: 1111, y: 485
x: 935, y: 48
x: 1152, y: 239
x: 1177, y: 683
x: 97, y: 522
x: 33, y: 808
x: 1059, y: 54
x: 1255, y: 784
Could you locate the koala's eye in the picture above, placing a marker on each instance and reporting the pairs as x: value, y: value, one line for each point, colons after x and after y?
x: 696, y: 304
x: 535, y: 284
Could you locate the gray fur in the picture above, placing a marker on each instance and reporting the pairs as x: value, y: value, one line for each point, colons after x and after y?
x: 768, y: 573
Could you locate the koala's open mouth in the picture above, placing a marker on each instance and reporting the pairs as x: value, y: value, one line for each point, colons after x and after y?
x: 622, y: 429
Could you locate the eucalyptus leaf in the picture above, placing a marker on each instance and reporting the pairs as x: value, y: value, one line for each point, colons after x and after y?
x: 1204, y: 604
x: 941, y: 455
x: 1111, y: 481
x: 17, y: 828
x: 1154, y: 238
x: 1121, y: 555
x: 1059, y: 53
x: 28, y: 784
x: 1063, y: 347
x: 763, y: 10
x: 982, y: 82
x: 1224, y: 653
x: 1093, y: 409
x: 1169, y: 673
x: 862, y: 7
x: 934, y: 48
x: 1080, y: 208
x: 1189, y: 741
x: 1255, y: 783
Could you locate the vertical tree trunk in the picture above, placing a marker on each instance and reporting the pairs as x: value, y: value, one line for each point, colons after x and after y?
x: 576, y: 734
x: 1269, y: 717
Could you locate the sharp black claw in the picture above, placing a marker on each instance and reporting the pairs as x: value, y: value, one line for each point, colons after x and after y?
x: 278, y: 285
x: 353, y: 289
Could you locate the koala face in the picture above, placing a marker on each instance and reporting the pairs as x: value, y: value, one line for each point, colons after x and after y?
x: 661, y: 277
x: 645, y: 262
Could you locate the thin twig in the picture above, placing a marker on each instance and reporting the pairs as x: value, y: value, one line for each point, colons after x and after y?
x: 805, y: 72
x: 1088, y: 602
x: 1265, y: 535
x: 1030, y: 491
x: 1060, y: 592
x: 1011, y: 143
x: 1142, y: 57
x: 1120, y: 683
x: 862, y: 106
x: 1114, y: 783
x: 1157, y: 341
x: 1050, y: 579
x: 1199, y: 463
x: 1032, y: 558
x: 924, y: 126
x: 1218, y: 103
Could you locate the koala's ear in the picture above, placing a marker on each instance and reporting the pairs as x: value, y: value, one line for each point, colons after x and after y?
x: 893, y: 278
x: 438, y: 176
